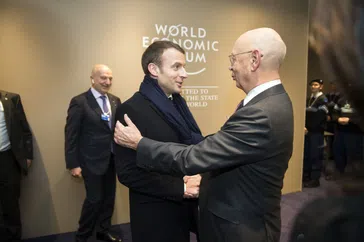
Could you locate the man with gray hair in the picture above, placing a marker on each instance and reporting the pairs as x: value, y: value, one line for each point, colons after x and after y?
x: 247, y: 158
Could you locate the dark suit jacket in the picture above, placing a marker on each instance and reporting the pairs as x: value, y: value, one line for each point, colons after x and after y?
x: 156, y: 201
x: 88, y: 138
x: 316, y: 114
x: 248, y: 158
x: 18, y: 128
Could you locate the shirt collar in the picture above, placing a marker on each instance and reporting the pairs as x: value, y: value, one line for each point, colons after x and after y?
x: 259, y: 89
x: 317, y: 95
x: 97, y: 94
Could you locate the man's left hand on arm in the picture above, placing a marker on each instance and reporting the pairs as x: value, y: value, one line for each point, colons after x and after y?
x: 127, y: 136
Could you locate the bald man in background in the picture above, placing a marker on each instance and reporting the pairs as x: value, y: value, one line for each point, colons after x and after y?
x: 88, y: 141
x: 247, y: 158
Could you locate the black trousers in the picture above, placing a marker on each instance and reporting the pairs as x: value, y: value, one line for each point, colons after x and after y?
x: 348, y: 150
x: 10, y: 174
x: 98, y: 206
x: 313, y: 155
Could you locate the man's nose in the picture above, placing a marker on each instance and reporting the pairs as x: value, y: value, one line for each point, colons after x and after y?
x: 183, y: 73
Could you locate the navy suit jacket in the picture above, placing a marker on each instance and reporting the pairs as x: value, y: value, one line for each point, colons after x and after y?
x: 88, y: 138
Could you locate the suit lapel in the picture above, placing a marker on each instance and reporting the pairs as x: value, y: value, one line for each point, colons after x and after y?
x: 6, y: 102
x: 240, y: 105
x: 113, y: 109
x: 95, y: 106
x: 270, y: 91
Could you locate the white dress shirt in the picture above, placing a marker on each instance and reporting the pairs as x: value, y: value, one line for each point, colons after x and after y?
x: 4, y: 136
x: 259, y: 89
x: 98, y: 98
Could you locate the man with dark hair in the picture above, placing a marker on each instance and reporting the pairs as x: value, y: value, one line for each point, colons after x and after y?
x: 316, y: 116
x: 16, y: 154
x: 163, y: 208
x: 88, y: 143
x: 154, y: 53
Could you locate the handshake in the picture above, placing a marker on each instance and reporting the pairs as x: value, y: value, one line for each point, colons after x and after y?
x: 192, y: 186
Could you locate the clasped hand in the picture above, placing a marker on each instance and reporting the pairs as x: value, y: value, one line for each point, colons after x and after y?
x: 192, y: 186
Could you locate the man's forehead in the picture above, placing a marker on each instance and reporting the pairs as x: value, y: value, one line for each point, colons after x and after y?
x: 173, y: 55
x: 104, y: 72
x: 172, y: 52
x: 240, y: 44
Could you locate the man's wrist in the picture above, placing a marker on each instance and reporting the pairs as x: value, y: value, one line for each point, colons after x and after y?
x: 137, y: 143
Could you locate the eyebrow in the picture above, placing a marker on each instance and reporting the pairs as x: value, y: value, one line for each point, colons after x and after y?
x: 178, y: 64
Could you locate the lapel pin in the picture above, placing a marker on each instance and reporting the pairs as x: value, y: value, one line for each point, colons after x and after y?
x: 6, y: 98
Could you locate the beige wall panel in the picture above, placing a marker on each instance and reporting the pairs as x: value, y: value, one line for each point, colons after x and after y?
x: 49, y: 46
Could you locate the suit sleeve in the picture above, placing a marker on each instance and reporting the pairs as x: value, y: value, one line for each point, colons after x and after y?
x: 26, y: 133
x: 72, y: 134
x: 244, y: 139
x: 140, y: 180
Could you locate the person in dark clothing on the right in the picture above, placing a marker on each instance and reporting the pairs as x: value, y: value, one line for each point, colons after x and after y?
x: 348, y: 143
x: 332, y: 99
x: 316, y: 115
x: 337, y: 35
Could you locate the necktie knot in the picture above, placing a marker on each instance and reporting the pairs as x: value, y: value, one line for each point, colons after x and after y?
x: 241, y: 104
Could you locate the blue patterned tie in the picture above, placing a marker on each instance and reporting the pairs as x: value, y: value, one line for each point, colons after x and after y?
x: 105, y: 108
x: 104, y: 104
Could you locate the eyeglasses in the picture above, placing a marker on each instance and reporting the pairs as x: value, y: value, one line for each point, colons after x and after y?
x: 233, y: 59
x: 232, y: 56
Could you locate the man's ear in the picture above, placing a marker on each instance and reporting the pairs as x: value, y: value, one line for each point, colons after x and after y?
x: 153, y: 69
x: 255, y: 60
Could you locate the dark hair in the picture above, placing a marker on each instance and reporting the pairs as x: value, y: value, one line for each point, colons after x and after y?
x: 319, y: 81
x: 155, y: 51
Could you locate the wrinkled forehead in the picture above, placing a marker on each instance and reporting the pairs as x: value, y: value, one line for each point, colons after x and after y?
x: 103, y: 72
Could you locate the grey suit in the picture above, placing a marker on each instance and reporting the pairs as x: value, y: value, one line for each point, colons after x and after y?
x: 247, y: 158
